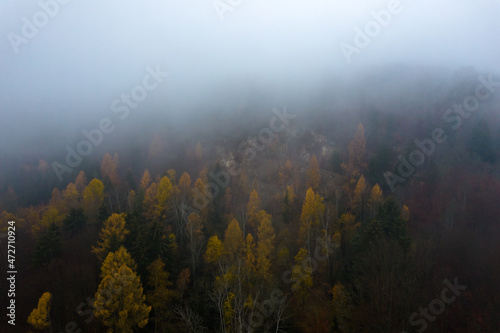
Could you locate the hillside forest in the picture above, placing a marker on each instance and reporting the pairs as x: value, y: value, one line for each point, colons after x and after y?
x: 375, y: 211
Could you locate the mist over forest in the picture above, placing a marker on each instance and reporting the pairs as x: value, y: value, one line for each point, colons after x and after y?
x: 250, y: 166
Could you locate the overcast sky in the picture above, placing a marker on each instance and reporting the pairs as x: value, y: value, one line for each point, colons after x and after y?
x: 90, y: 52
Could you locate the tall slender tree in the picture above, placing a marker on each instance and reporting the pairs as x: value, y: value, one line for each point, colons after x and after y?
x: 112, y: 236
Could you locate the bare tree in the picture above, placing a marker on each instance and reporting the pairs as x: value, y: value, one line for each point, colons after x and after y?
x: 192, y: 322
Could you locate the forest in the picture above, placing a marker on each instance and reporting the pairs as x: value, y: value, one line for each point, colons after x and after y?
x: 375, y: 210
x: 237, y: 166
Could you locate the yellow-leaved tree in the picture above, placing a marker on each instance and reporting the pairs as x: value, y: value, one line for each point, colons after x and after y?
x: 253, y: 207
x: 302, y: 273
x: 93, y: 196
x: 71, y: 196
x: 112, y: 236
x: 265, y: 245
x: 184, y: 187
x: 233, y: 241
x: 145, y: 180
x: 359, y: 193
x: 229, y: 312
x: 359, y: 199
x: 51, y: 216
x: 311, y: 215
x: 375, y: 200
x: 214, y: 250
x: 250, y: 254
x: 40, y: 317
x: 163, y: 194
x: 119, y: 300
x: 115, y: 260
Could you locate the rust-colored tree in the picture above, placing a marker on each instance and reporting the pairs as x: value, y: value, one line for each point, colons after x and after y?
x: 233, y: 241
x: 80, y: 182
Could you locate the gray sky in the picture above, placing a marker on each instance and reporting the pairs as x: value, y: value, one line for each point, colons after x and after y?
x: 90, y: 52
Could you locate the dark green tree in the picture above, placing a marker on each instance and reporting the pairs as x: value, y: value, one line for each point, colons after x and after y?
x: 378, y: 164
x: 75, y: 221
x: 48, y: 246
x: 387, y: 224
x: 102, y: 214
x: 138, y: 242
x: 162, y: 245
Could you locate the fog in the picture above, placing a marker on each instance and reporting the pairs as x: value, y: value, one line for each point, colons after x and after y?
x: 64, y: 77
x: 250, y: 165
